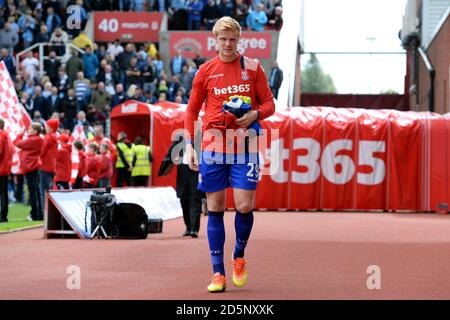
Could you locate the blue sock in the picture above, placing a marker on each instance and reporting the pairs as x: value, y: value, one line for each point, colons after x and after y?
x: 216, y: 239
x: 243, y: 223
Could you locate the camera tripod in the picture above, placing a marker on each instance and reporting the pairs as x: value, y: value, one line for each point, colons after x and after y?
x: 99, y: 226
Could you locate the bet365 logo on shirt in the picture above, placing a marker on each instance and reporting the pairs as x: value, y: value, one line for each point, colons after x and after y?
x: 232, y: 89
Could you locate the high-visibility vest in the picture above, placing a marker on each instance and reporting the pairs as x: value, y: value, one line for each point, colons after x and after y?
x: 128, y: 153
x: 142, y: 166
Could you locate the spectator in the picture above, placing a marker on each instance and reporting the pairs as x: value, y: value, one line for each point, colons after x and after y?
x: 8, y: 38
x: 29, y: 89
x: 94, y: 116
x: 225, y: 8
x: 40, y: 103
x: 51, y: 67
x: 63, y: 163
x: 149, y: 76
x: 177, y: 63
x: 37, y: 117
x: 43, y: 35
x: 173, y: 87
x: 30, y: 164
x: 186, y: 79
x: 106, y: 170
x: 69, y: 109
x: 158, y: 64
x: 178, y: 15
x: 109, y: 80
x: 30, y: 64
x: 114, y: 49
x: 81, y: 165
x: 101, y: 99
x: 63, y: 83
x: 48, y: 156
x: 275, y: 79
x: 73, y: 66
x: 256, y: 20
x: 14, y: 25
x: 53, y: 20
x: 133, y: 73
x: 47, y: 91
x: 270, y: 7
x: 122, y: 62
x: 58, y: 40
x: 26, y: 101
x: 135, y: 93
x: 83, y: 91
x: 142, y: 162
x: 6, y: 154
x: 180, y: 96
x: 54, y: 101
x: 18, y: 83
x: 91, y: 64
x: 100, y: 52
x: 119, y: 97
x: 194, y: 10
x: 152, y: 51
x: 82, y: 123
x: 27, y: 25
x: 199, y: 60
x: 162, y: 96
x: 210, y: 14
x: 276, y: 21
x: 240, y: 12
x: 9, y: 61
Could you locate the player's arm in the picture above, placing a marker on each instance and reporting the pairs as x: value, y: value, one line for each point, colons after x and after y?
x: 264, y: 95
x: 195, y: 103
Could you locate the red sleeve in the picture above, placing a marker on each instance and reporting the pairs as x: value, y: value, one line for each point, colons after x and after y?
x: 2, y: 143
x: 45, y: 144
x: 23, y: 144
x: 264, y: 95
x: 195, y: 103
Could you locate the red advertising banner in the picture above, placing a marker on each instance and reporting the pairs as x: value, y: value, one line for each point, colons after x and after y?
x: 127, y: 26
x: 323, y: 158
x: 252, y: 44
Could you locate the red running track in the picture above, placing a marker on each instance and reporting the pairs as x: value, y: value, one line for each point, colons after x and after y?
x: 291, y: 255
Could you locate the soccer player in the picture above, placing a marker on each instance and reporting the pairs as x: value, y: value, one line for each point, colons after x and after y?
x: 227, y: 75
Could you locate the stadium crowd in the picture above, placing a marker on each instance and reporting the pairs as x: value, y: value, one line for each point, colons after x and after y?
x: 74, y: 98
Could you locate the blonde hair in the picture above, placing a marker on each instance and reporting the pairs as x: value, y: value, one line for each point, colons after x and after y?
x: 227, y: 24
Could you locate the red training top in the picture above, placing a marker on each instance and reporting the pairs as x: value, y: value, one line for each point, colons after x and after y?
x: 48, y: 153
x: 64, y: 163
x: 215, y: 82
x: 30, y: 154
x: 106, y: 170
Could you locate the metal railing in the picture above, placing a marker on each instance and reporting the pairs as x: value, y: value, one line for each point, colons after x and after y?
x: 41, y: 45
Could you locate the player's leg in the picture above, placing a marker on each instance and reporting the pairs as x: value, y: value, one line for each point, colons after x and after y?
x: 244, y: 180
x: 213, y: 180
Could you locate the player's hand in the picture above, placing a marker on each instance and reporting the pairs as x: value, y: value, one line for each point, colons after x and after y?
x: 247, y: 119
x: 191, y: 157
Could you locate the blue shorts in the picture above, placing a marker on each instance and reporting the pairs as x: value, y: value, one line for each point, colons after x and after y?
x: 219, y: 171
